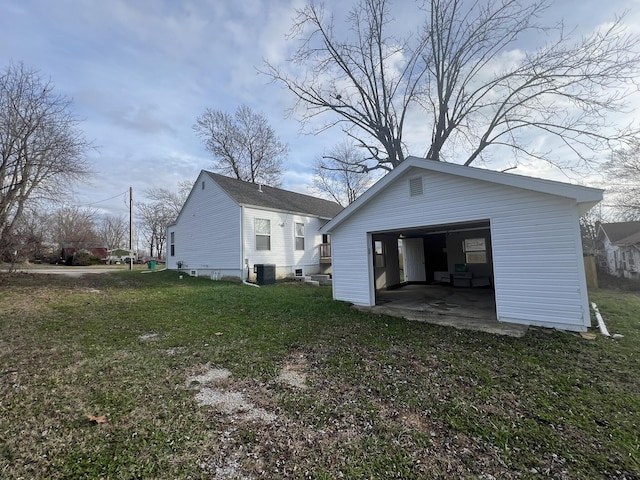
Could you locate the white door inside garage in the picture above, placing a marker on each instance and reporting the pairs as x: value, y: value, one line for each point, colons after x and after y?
x: 414, y: 269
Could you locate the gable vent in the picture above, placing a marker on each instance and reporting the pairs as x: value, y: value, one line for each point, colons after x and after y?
x: 415, y: 186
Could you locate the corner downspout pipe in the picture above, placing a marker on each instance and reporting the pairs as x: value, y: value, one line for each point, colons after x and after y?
x: 601, y: 325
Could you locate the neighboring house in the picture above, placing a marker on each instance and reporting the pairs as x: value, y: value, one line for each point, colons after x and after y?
x: 468, y: 227
x: 227, y: 226
x: 619, y: 249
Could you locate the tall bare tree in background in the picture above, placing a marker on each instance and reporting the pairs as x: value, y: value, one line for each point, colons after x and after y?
x: 623, y: 176
x: 156, y: 215
x: 75, y: 227
x: 465, y: 68
x: 41, y: 147
x: 244, y: 145
x: 113, y: 231
x: 334, y: 175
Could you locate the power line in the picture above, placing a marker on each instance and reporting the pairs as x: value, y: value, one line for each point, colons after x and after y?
x: 105, y: 200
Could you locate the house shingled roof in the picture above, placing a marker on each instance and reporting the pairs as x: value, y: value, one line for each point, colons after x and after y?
x: 624, y: 233
x: 247, y: 193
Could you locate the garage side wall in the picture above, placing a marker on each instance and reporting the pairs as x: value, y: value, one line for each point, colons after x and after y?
x: 538, y: 272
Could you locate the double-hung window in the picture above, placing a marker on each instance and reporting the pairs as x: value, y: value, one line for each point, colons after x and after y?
x: 263, y: 234
x: 299, y: 236
x: 173, y: 246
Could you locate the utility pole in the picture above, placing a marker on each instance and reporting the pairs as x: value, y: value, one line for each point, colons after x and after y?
x: 130, y: 228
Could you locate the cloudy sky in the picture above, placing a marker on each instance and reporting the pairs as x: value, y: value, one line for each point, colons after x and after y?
x: 140, y: 72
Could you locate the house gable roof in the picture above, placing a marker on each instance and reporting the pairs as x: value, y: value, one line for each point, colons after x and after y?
x: 263, y: 196
x: 622, y: 233
x: 585, y: 197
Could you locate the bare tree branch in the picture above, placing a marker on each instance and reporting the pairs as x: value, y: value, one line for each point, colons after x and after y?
x: 342, y: 174
x: 468, y: 71
x: 369, y: 81
x: 244, y: 146
x: 623, y: 175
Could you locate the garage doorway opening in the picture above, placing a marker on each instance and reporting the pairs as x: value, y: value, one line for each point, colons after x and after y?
x: 440, y: 269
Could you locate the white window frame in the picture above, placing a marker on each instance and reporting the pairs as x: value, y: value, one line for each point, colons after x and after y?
x: 475, y: 250
x: 298, y: 236
x: 261, y: 232
x: 379, y: 257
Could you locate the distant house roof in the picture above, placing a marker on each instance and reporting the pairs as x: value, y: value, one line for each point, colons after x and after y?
x: 251, y: 194
x: 622, y: 233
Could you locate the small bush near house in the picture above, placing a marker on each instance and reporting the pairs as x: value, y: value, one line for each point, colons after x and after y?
x: 84, y: 259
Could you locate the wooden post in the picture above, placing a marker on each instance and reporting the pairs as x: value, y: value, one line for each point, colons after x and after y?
x: 590, y: 271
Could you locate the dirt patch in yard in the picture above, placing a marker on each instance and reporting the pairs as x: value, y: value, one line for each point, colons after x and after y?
x: 294, y: 371
x: 216, y: 389
x: 257, y: 432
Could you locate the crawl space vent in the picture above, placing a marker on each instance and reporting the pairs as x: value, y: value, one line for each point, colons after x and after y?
x: 193, y: 273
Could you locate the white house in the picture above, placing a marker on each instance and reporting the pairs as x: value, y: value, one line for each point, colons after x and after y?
x: 619, y: 248
x: 469, y: 227
x: 227, y: 226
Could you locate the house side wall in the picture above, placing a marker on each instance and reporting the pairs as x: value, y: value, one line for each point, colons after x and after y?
x: 622, y: 261
x: 207, y: 232
x: 283, y: 253
x: 536, y: 257
x: 611, y: 256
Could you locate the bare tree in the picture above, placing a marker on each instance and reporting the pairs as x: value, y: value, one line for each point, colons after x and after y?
x: 623, y: 175
x: 170, y: 200
x: 244, y: 145
x: 466, y: 70
x: 334, y: 174
x: 75, y: 227
x: 156, y: 215
x: 29, y: 239
x: 41, y: 147
x: 113, y: 231
x: 369, y: 81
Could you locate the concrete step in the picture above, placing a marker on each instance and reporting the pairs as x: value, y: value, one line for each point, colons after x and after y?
x: 324, y: 280
x: 313, y: 283
x: 301, y: 278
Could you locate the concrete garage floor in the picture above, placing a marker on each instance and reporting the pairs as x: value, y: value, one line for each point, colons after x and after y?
x: 463, y: 308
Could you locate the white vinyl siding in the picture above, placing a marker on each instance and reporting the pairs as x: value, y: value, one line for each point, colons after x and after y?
x: 283, y: 253
x: 207, y: 231
x: 537, y: 255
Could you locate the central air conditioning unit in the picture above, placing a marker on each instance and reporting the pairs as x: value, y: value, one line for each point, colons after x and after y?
x: 193, y: 273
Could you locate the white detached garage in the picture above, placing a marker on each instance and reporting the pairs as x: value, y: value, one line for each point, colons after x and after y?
x: 471, y: 228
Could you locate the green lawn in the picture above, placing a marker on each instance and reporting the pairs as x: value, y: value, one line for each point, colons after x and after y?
x: 148, y: 376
